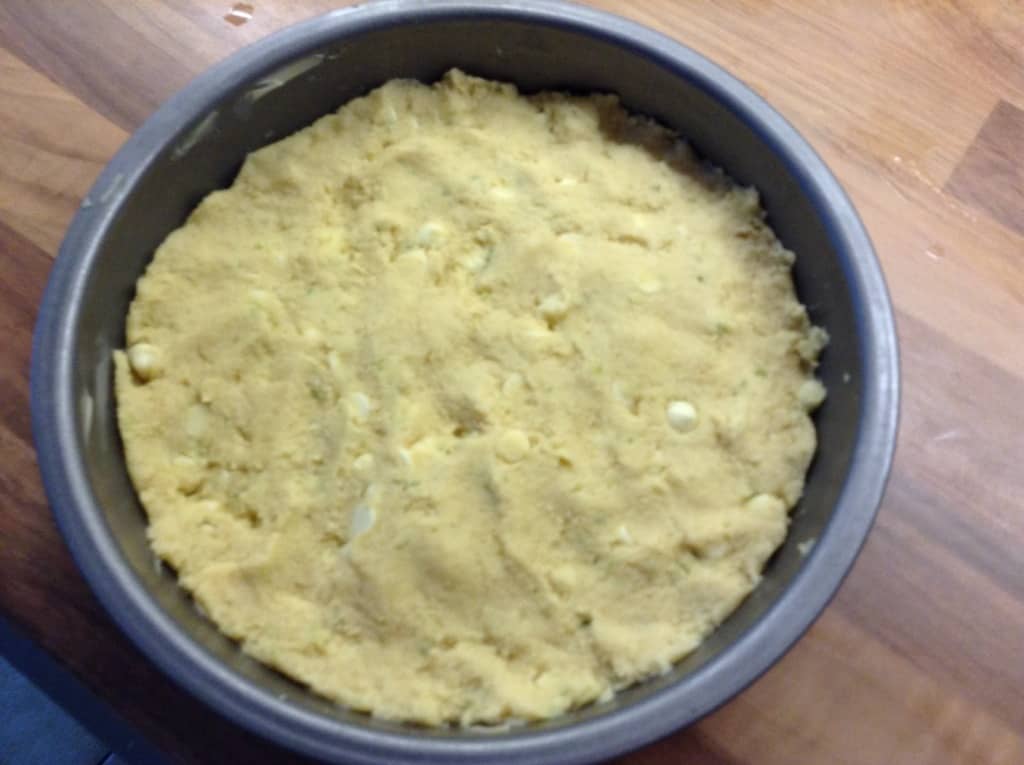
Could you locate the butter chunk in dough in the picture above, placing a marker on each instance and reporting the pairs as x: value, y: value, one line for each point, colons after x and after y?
x: 461, y: 406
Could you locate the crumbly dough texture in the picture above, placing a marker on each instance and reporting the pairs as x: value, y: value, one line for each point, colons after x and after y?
x: 461, y: 406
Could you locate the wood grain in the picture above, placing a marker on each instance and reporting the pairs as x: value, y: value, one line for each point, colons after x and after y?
x: 991, y: 176
x: 46, y: 168
x: 917, y: 108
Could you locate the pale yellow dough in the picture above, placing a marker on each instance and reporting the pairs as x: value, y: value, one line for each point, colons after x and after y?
x: 462, y: 406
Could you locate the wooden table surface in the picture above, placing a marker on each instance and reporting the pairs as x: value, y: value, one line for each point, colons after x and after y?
x: 919, y: 109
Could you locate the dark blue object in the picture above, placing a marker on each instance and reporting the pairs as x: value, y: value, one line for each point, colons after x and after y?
x: 47, y: 717
x: 195, y: 144
x: 35, y: 731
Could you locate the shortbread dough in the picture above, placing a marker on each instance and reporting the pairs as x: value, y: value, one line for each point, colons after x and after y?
x: 461, y: 406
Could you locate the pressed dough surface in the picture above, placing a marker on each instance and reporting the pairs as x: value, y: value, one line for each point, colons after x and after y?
x: 460, y: 406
